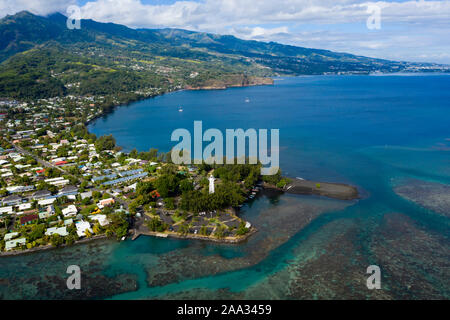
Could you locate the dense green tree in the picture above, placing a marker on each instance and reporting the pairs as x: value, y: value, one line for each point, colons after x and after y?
x: 105, y: 143
x: 167, y: 184
x: 186, y: 185
x: 118, y: 224
x: 37, y: 232
x: 156, y: 225
x: 56, y: 240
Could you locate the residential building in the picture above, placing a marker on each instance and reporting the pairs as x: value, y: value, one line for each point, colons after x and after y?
x: 28, y: 219
x: 24, y: 206
x: 68, y: 190
x: 87, y: 194
x: 70, y: 211
x: 12, y: 200
x: 101, y: 218
x: 10, y: 236
x: 14, y: 243
x: 46, y: 202
x: 41, y: 194
x: 6, y: 210
x: 82, y: 226
x: 62, y: 231
x: 106, y: 202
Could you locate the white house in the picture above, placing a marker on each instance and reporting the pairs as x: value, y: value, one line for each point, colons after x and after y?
x: 24, y: 206
x: 101, y: 218
x: 44, y: 215
x: 87, y: 194
x: 46, y: 202
x: 82, y: 226
x: 70, y: 211
x: 14, y: 243
x: 11, y: 235
x: 62, y: 231
x: 7, y: 210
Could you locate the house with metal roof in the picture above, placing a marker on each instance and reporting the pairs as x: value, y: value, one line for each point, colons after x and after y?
x: 41, y: 195
x: 12, y: 200
x: 68, y: 191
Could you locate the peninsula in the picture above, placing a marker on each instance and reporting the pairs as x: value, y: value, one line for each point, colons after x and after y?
x: 332, y: 190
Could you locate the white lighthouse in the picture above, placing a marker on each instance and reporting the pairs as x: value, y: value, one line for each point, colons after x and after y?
x: 211, y: 184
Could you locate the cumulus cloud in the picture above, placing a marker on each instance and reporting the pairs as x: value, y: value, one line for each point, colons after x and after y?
x: 220, y: 13
x: 40, y: 7
x: 260, y: 33
x: 409, y: 29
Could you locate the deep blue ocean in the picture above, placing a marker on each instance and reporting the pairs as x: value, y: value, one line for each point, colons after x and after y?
x: 387, y: 135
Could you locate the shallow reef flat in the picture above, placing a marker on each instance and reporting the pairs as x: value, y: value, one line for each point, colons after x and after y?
x: 415, y: 260
x: 431, y: 195
x: 276, y: 223
x: 43, y: 275
x: 332, y: 263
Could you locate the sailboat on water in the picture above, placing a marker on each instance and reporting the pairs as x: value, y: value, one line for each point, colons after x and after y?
x: 247, y: 100
x: 180, y: 109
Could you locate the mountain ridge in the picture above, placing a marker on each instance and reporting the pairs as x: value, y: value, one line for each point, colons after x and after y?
x: 99, y: 55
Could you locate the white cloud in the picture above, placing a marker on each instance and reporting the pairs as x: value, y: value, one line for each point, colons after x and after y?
x: 39, y: 7
x: 215, y: 13
x: 260, y: 33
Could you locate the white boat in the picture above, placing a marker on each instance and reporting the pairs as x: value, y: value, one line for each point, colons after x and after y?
x: 247, y: 100
x: 300, y: 178
x: 123, y: 238
x: 180, y: 109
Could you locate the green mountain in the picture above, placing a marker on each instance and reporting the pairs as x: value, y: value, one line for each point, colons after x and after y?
x: 41, y: 57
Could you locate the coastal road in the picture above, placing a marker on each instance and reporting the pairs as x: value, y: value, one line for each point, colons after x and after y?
x: 39, y: 160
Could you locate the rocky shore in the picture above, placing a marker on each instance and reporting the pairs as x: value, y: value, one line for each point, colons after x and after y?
x: 332, y: 190
x: 231, y: 82
x: 49, y: 247
x: 137, y: 233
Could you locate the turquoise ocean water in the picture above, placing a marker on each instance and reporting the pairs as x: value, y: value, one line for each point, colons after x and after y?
x: 379, y: 133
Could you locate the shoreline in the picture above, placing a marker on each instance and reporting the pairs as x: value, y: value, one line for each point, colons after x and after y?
x: 50, y: 247
x: 174, y: 235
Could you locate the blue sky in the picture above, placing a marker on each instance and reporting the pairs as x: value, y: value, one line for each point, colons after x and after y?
x: 408, y: 30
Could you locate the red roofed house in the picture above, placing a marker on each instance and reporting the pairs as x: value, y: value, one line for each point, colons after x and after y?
x: 28, y: 218
x: 60, y: 163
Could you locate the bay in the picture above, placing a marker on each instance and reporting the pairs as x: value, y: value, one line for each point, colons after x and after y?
x: 374, y: 132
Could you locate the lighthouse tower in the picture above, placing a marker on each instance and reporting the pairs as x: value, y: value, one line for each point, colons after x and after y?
x: 211, y: 184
